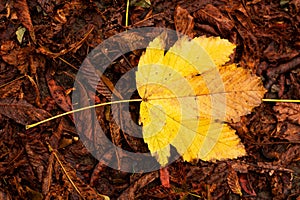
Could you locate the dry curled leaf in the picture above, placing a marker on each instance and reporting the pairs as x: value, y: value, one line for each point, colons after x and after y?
x: 187, y: 94
x: 246, y: 185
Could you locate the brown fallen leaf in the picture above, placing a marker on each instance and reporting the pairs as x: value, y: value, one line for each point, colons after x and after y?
x: 11, y: 89
x: 8, y: 74
x: 21, y: 111
x: 184, y: 22
x: 288, y: 126
x: 290, y: 155
x: 23, y: 13
x: 233, y: 182
x: 33, y: 194
x: 130, y: 192
x: 71, y: 181
x: 212, y: 15
x: 73, y: 47
x: 246, y: 185
x: 47, y: 179
x: 288, y: 131
x: 274, y: 72
x: 288, y: 111
x: 13, y: 54
x: 58, y: 94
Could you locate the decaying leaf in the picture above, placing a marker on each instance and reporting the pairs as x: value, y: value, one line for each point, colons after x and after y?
x: 233, y: 182
x: 13, y: 54
x: 21, y: 111
x: 288, y: 116
x: 24, y: 16
x: 290, y: 111
x: 184, y: 22
x: 73, y: 182
x: 11, y: 89
x: 217, y: 22
x: 129, y: 193
x: 58, y: 94
x: 47, y: 180
x: 37, y: 155
x: 246, y: 185
x: 187, y: 95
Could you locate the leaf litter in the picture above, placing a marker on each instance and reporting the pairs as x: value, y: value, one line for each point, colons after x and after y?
x: 267, y: 43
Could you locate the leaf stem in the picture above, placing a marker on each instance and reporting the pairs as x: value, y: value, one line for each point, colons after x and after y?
x: 282, y: 100
x: 80, y: 109
x: 127, y: 11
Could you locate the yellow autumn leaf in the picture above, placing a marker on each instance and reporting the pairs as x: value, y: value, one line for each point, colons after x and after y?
x: 188, y: 95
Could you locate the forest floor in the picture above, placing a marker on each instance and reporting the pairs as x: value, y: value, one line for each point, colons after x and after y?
x: 42, y: 47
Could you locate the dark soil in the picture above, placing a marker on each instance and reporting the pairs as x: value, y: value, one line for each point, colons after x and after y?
x: 38, y: 69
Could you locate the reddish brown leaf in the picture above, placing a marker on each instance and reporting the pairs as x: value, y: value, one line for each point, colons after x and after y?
x: 21, y: 111
x: 58, y: 94
x: 164, y: 177
x: 184, y: 22
x: 288, y: 131
x: 103, y: 86
x: 7, y: 74
x: 246, y: 185
x: 130, y: 192
x: 14, y: 55
x: 47, y: 6
x: 72, y: 47
x: 103, y: 90
x: 11, y: 89
x: 212, y: 15
x: 73, y: 182
x: 290, y: 155
x: 288, y: 115
x: 38, y: 155
x: 24, y: 16
x: 233, y: 182
x: 161, y: 192
x: 288, y: 111
x: 47, y: 179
